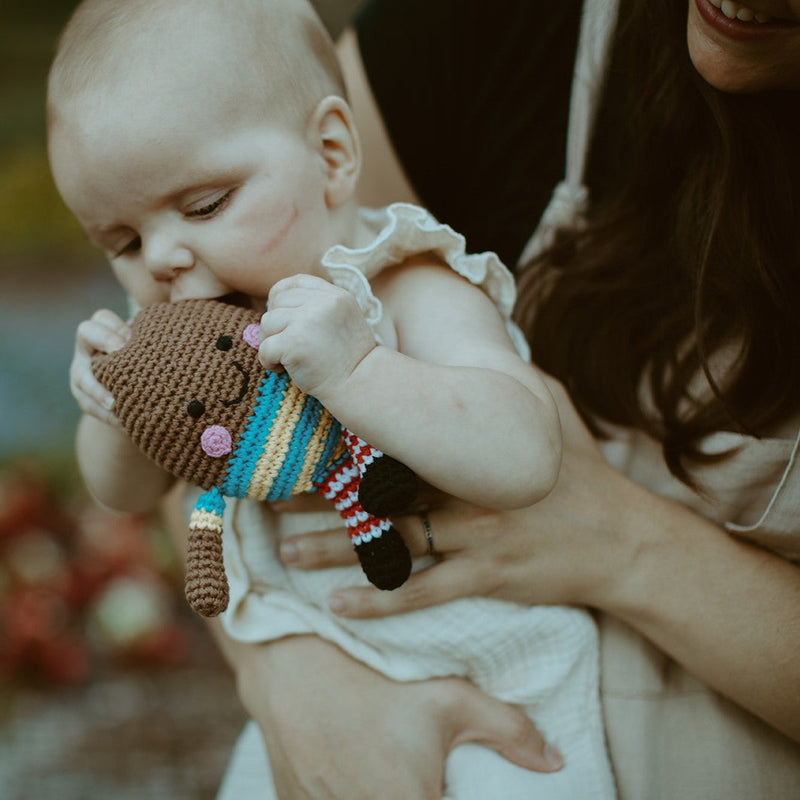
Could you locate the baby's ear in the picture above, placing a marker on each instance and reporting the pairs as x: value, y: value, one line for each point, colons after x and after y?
x: 335, y: 138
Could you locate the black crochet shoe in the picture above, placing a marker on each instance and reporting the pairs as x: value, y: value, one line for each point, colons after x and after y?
x: 388, y: 488
x: 385, y: 560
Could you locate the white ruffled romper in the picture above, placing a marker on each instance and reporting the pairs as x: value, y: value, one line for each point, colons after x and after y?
x: 545, y: 659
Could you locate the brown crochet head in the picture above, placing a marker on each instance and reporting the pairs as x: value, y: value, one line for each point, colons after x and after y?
x: 188, y: 366
x: 188, y: 385
x: 183, y: 387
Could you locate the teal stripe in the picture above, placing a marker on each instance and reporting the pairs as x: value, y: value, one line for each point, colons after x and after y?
x: 283, y: 486
x: 250, y: 445
x: 323, y: 465
x: 212, y: 501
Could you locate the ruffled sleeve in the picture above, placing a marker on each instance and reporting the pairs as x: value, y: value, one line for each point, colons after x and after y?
x: 402, y: 230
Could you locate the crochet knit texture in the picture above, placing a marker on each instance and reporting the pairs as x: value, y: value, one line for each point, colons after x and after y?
x: 189, y: 390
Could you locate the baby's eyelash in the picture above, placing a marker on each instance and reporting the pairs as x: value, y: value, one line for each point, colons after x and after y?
x: 210, y: 208
x: 133, y: 246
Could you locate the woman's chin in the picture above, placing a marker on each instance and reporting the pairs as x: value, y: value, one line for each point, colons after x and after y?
x: 766, y: 60
x: 723, y: 71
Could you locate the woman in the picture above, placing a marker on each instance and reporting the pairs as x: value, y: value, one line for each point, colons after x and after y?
x: 666, y: 307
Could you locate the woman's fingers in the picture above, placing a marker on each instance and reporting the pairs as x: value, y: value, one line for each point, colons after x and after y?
x: 476, y: 717
x: 331, y: 548
x: 425, y: 533
x: 309, y: 502
x: 446, y: 581
x: 317, y: 550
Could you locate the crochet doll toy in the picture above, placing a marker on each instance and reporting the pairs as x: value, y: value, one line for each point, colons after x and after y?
x: 190, y: 392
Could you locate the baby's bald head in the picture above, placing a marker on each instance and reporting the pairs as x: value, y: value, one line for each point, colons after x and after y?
x: 269, y: 57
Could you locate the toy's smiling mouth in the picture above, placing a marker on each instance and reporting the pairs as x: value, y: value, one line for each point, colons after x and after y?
x: 242, y: 391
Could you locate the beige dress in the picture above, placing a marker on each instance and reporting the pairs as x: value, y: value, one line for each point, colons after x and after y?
x: 669, y: 735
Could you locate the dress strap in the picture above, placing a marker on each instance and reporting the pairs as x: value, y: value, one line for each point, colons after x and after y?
x: 789, y: 477
x: 570, y: 197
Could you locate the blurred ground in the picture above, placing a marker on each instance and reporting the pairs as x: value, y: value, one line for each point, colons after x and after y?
x: 40, y: 306
x: 163, y: 735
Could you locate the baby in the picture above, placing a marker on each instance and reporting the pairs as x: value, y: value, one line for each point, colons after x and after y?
x: 208, y: 149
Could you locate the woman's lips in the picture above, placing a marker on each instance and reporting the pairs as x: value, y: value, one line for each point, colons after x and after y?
x: 740, y: 30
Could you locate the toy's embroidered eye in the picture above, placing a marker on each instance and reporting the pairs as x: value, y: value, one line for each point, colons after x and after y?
x: 224, y: 343
x: 196, y: 409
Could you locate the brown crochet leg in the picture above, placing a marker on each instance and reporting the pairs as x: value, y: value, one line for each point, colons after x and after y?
x: 206, y: 584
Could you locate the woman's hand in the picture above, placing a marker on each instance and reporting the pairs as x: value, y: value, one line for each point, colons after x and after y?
x: 564, y: 549
x: 104, y: 332
x: 337, y: 730
x: 600, y: 540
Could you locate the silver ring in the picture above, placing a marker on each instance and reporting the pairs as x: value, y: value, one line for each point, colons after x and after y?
x: 426, y: 526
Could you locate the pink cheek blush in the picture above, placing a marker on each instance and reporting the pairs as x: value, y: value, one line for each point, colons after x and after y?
x: 251, y: 335
x: 216, y: 441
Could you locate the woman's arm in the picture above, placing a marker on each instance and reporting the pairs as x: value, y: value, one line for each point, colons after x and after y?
x: 727, y: 611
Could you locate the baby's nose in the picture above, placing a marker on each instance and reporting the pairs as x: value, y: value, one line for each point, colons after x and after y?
x: 166, y: 257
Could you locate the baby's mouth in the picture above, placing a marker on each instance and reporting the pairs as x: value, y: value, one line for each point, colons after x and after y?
x: 236, y: 299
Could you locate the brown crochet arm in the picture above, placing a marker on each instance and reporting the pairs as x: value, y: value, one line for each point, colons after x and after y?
x: 206, y: 584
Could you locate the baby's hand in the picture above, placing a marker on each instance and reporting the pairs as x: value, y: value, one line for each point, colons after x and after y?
x: 316, y: 331
x: 105, y: 332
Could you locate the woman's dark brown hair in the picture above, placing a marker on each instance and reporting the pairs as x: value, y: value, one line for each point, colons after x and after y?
x: 690, y: 262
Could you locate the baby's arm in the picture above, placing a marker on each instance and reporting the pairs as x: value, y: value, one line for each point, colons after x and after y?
x: 115, y: 471
x: 455, y: 402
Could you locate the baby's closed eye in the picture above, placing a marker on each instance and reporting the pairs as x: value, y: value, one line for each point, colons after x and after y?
x: 208, y: 207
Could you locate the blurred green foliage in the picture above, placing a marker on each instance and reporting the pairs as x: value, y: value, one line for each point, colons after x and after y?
x: 28, y: 33
x: 33, y: 220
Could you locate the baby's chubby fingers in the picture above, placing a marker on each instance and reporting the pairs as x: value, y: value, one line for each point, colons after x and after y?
x: 270, y: 353
x: 104, y: 332
x: 289, y: 319
x: 294, y: 290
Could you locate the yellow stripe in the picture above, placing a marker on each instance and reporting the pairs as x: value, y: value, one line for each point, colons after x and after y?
x: 277, y: 443
x: 315, y: 447
x: 205, y: 521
